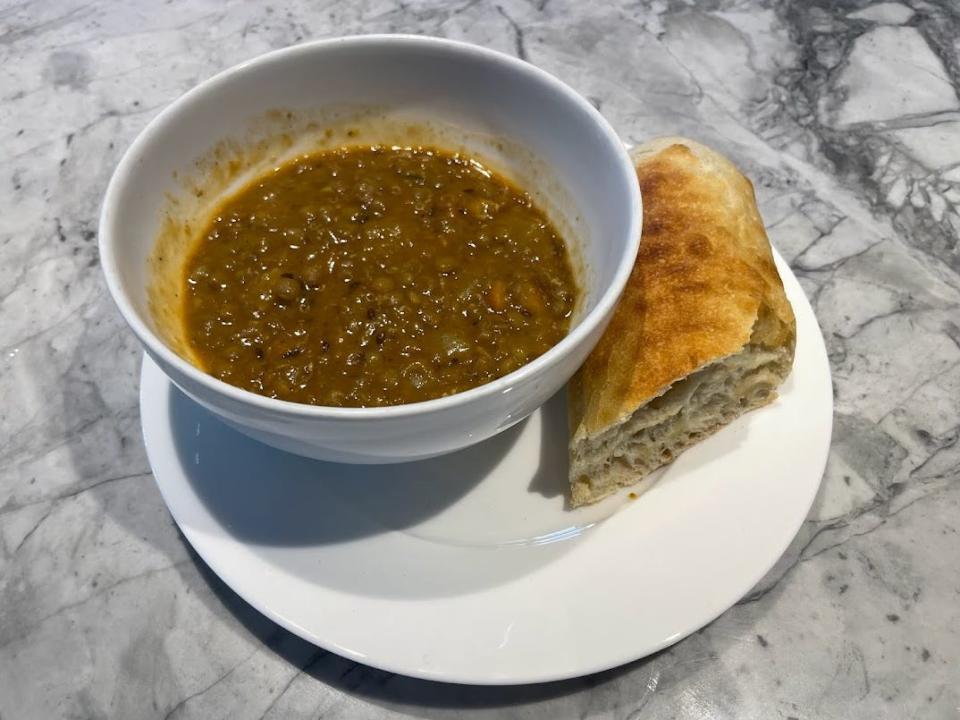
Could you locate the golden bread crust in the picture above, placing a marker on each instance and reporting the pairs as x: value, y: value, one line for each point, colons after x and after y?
x: 703, y: 286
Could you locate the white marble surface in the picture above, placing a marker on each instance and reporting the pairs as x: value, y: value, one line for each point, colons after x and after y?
x: 848, y: 119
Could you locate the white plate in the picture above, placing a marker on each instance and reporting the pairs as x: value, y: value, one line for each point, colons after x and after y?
x: 468, y: 568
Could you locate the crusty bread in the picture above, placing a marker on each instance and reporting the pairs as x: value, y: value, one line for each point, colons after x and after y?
x: 702, y: 334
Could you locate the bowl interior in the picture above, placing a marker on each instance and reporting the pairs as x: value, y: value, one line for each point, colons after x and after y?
x: 394, y: 89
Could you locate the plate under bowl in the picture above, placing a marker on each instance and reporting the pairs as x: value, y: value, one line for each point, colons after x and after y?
x: 468, y: 568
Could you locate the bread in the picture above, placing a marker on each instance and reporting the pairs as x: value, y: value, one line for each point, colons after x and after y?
x: 702, y: 334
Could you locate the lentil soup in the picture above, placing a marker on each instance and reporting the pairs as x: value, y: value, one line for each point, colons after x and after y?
x: 375, y: 275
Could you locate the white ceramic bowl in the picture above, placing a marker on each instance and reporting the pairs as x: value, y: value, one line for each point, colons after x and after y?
x: 581, y: 166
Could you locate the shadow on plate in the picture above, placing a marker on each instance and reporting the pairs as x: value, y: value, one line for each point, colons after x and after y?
x: 269, y: 497
x: 550, y: 479
x: 303, y: 516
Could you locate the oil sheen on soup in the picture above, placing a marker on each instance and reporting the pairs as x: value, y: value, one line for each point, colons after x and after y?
x: 374, y: 275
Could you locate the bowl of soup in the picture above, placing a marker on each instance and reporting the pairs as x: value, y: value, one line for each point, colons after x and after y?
x: 372, y: 249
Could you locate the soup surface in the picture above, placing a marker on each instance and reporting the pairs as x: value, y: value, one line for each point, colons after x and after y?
x: 372, y: 276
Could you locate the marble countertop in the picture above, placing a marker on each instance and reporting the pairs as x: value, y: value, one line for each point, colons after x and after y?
x: 846, y: 116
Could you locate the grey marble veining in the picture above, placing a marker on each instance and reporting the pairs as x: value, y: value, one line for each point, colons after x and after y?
x: 847, y: 117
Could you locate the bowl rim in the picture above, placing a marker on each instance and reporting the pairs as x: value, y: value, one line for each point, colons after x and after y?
x: 504, y: 384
